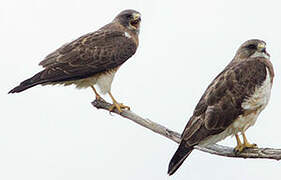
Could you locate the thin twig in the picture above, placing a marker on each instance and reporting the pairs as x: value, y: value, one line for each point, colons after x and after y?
x: 265, y: 153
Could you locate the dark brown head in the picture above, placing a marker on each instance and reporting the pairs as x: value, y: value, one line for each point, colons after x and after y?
x: 129, y: 19
x: 252, y: 48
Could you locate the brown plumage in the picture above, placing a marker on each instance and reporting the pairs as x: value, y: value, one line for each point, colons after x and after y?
x: 92, y: 58
x: 231, y: 103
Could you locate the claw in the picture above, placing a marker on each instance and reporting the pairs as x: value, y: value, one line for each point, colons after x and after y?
x: 99, y: 98
x: 246, y: 142
x: 119, y: 107
x: 248, y: 145
x: 240, y: 147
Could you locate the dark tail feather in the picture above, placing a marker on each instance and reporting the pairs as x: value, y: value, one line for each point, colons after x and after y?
x: 181, y: 154
x: 35, y: 80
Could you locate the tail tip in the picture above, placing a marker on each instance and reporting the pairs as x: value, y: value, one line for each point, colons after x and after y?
x: 171, y: 169
x: 180, y: 155
x: 18, y: 89
x: 12, y: 91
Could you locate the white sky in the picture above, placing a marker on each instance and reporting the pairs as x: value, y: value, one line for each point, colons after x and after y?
x: 55, y: 133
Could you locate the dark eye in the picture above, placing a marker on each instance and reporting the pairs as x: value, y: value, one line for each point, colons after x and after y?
x: 128, y: 16
x: 251, y: 46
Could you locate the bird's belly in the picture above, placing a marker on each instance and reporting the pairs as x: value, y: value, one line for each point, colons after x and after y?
x: 242, y: 123
x: 104, y: 80
x: 80, y: 83
x: 84, y: 83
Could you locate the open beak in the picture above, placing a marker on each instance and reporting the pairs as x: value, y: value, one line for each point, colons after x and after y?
x: 135, y: 22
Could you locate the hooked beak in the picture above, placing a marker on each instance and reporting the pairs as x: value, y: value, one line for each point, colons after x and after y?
x: 135, y: 22
x: 262, y: 48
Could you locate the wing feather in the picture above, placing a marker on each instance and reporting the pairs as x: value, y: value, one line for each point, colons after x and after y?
x: 221, y: 103
x: 93, y: 53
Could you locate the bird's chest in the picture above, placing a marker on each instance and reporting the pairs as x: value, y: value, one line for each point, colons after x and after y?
x: 253, y: 105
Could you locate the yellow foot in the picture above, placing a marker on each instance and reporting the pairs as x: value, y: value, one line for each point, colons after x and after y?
x: 241, y: 147
x: 246, y: 142
x: 99, y: 98
x: 248, y: 145
x: 118, y: 106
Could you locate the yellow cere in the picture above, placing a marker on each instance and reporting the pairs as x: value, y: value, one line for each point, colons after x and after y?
x: 261, y: 46
x: 136, y: 16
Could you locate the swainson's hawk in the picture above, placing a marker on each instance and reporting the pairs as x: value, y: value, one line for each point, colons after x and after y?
x: 91, y: 59
x: 231, y: 103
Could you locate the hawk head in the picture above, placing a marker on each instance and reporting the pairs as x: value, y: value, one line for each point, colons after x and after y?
x: 252, y: 48
x: 130, y: 19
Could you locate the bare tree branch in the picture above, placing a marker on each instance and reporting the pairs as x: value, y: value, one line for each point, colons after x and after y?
x: 266, y: 153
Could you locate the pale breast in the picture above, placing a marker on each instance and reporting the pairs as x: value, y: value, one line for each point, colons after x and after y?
x: 261, y: 96
x: 252, y: 106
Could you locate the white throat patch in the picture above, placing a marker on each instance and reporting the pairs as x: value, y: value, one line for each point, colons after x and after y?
x: 127, y: 35
x: 260, y: 54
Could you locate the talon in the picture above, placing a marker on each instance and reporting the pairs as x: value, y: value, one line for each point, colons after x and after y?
x: 118, y: 106
x: 124, y: 106
x: 113, y: 106
x: 246, y: 142
x: 239, y: 148
x: 99, y: 98
x: 248, y: 145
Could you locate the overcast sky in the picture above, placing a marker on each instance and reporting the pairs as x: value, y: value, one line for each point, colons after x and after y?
x: 54, y: 132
